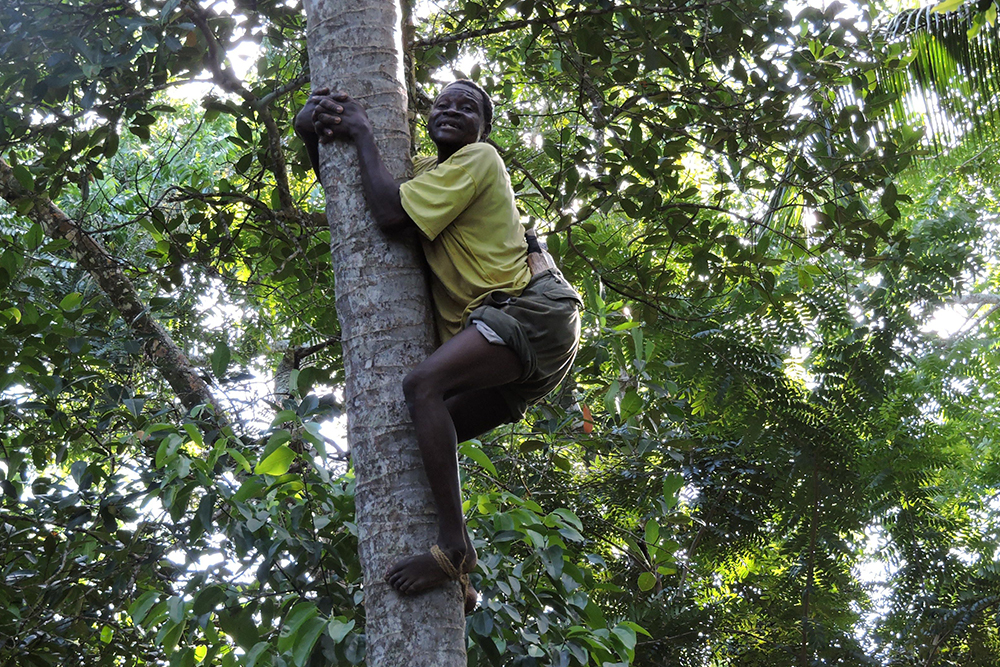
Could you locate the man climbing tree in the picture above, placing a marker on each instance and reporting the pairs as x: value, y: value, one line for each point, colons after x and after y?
x: 508, y: 337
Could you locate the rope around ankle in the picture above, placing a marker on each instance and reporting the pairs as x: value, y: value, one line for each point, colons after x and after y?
x: 448, y: 567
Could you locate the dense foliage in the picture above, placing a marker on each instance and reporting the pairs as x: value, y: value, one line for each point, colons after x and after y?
x: 772, y: 453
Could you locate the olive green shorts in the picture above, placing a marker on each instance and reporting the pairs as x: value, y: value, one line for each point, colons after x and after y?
x: 541, y: 326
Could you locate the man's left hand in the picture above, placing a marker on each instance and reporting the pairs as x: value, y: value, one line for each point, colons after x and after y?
x: 338, y: 116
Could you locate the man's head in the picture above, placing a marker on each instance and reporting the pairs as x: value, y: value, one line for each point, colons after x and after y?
x: 486, y: 101
x: 462, y: 114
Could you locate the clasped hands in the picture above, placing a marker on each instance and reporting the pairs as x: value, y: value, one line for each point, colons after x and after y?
x: 332, y: 116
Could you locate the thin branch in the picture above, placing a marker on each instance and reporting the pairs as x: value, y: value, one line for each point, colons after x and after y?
x: 226, y: 79
x: 552, y: 21
x: 294, y: 84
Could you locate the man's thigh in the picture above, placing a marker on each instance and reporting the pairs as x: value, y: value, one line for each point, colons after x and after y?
x: 478, y: 411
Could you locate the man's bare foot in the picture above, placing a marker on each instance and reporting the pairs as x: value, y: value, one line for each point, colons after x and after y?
x: 416, y: 574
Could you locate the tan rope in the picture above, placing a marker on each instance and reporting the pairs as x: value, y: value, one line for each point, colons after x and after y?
x: 445, y: 563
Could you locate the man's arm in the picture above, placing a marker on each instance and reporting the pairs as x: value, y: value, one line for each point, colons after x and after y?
x: 305, y: 128
x: 339, y: 117
x: 539, y: 259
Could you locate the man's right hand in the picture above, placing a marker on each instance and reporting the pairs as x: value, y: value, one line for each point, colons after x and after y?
x: 305, y: 126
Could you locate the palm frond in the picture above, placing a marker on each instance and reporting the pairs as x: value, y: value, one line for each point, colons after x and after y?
x: 952, y: 79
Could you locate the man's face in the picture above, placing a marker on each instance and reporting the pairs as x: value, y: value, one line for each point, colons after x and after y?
x: 456, y: 119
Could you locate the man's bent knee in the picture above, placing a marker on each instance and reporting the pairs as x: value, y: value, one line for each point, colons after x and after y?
x: 416, y: 388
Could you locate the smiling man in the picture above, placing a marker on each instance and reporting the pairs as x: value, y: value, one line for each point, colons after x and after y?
x: 507, y: 337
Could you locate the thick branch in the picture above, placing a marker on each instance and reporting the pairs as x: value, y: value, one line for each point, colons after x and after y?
x: 977, y: 299
x: 91, y: 255
x: 291, y: 360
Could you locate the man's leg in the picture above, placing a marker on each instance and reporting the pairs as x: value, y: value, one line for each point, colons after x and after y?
x: 466, y: 363
x: 477, y: 412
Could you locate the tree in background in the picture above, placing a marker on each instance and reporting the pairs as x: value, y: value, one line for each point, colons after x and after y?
x: 759, y: 410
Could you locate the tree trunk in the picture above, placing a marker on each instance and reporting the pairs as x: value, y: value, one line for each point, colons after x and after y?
x: 384, y: 308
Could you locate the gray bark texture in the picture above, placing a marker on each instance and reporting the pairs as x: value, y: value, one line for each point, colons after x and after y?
x: 94, y: 258
x: 384, y: 307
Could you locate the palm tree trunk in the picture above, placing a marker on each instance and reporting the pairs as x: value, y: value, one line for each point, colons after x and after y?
x: 384, y: 309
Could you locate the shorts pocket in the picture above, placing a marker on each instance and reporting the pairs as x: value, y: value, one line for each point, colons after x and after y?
x: 560, y: 292
x: 498, y: 299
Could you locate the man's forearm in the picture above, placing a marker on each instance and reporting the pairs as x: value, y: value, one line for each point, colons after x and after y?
x: 312, y: 148
x: 381, y: 189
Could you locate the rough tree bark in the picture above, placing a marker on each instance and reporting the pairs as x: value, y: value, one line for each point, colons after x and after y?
x: 92, y: 256
x: 383, y: 304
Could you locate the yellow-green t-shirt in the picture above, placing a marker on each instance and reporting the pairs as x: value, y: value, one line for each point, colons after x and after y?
x: 470, y: 231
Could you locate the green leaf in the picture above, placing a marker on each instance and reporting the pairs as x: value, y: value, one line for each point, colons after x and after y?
x: 626, y: 635
x: 305, y: 640
x: 300, y: 613
x: 313, y: 433
x: 242, y: 460
x: 561, y: 462
x: 482, y: 623
x: 251, y: 488
x: 632, y: 404
x: 243, y: 130
x: 111, y: 144
x: 177, y: 607
x: 194, y: 434
x: 532, y: 445
x: 636, y: 627
x: 283, y: 417
x: 276, y: 463
x: 338, y: 628
x: 652, y: 532
x: 611, y: 397
x: 220, y: 359
x: 253, y: 655
x: 279, y: 437
x: 23, y: 177
x: 71, y: 301
x: 167, y: 450
x: 138, y: 609
x: 805, y: 279
x: 240, y: 626
x: 646, y: 581
x: 948, y: 6
x: 471, y: 450
x: 569, y: 517
x: 625, y: 326
x: 169, y: 635
x: 672, y: 485
x: 34, y: 237
x: 207, y: 600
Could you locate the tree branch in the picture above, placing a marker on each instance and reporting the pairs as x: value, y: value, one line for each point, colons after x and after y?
x: 226, y: 80
x: 976, y: 300
x: 544, y: 20
x: 91, y: 255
